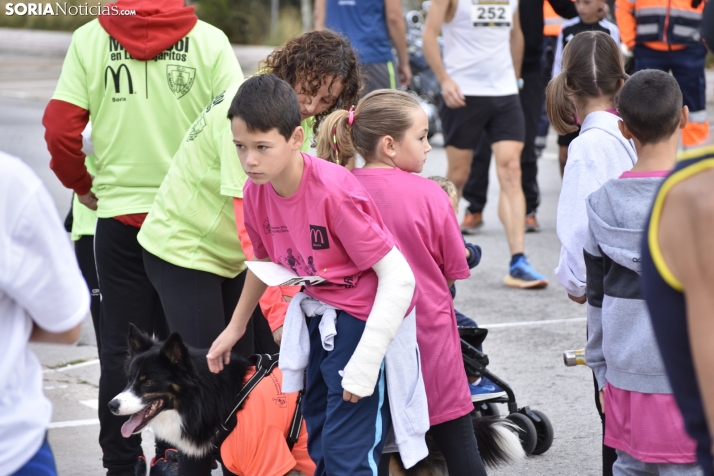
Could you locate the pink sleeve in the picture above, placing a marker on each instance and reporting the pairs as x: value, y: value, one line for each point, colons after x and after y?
x: 248, y: 222
x: 272, y: 303
x: 360, y: 228
x: 453, y: 250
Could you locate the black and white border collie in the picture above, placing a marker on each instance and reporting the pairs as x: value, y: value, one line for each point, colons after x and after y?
x: 171, y: 388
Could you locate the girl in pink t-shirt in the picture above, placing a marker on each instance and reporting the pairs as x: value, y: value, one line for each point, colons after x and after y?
x: 389, y: 130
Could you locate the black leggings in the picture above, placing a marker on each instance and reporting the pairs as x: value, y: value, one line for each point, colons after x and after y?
x: 127, y: 296
x: 457, y: 442
x: 609, y: 455
x: 198, y: 305
x: 84, y: 249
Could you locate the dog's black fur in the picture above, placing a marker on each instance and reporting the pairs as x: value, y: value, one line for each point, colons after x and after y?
x: 179, y: 377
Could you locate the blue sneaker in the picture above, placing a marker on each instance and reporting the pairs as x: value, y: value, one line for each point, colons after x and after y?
x: 523, y: 276
x: 485, y: 390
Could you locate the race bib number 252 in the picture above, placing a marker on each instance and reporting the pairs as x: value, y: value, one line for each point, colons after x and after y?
x: 491, y: 13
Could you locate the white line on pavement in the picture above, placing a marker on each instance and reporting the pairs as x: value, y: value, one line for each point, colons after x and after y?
x: 94, y: 403
x: 71, y: 423
x: 72, y: 366
x: 532, y: 323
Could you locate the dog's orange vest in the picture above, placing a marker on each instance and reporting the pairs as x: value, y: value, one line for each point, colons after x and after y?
x: 258, y: 444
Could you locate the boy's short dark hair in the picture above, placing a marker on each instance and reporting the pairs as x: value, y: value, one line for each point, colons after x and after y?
x: 650, y: 103
x: 266, y: 102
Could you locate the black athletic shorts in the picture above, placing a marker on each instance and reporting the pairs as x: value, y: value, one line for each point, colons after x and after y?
x: 499, y: 117
x: 568, y: 138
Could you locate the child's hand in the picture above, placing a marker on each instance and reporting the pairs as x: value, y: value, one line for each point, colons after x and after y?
x: 580, y: 300
x: 602, y: 400
x: 350, y: 397
x: 468, y: 254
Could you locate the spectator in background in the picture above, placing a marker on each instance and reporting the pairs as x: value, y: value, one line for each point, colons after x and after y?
x: 531, y: 96
x: 43, y: 298
x: 664, y: 35
x: 369, y: 25
x: 480, y: 75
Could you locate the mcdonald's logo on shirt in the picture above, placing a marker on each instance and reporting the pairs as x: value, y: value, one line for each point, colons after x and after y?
x: 116, y: 77
x: 318, y: 238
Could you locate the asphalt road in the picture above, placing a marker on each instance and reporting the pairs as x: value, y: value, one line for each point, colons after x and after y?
x: 528, y: 330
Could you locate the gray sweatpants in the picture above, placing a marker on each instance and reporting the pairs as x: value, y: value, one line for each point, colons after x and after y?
x: 626, y: 465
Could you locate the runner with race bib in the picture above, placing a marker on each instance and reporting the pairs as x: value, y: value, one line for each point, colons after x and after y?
x: 480, y: 79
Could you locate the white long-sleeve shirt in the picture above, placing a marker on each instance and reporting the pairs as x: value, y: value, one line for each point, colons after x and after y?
x: 598, y: 154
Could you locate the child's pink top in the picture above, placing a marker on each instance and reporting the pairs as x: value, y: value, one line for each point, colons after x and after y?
x: 647, y: 426
x: 329, y: 227
x: 651, y: 174
x: 420, y: 217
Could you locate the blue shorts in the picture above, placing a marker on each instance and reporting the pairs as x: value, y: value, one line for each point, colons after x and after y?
x: 42, y: 464
x: 343, y: 437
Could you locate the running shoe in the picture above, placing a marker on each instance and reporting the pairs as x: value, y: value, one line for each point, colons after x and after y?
x: 485, y: 390
x: 165, y: 466
x: 472, y: 222
x: 532, y: 224
x: 523, y: 276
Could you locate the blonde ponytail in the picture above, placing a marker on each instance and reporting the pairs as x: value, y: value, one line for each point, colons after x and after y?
x: 334, y: 140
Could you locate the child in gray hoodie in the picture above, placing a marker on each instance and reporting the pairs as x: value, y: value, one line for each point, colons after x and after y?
x: 643, y: 422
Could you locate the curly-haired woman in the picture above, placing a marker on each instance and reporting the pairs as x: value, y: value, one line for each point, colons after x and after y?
x: 193, y: 255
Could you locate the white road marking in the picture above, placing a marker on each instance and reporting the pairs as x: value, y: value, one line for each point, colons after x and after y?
x: 71, y: 423
x: 533, y: 323
x: 91, y: 403
x: 72, y: 366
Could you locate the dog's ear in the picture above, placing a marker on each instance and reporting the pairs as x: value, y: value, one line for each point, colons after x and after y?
x: 176, y: 351
x: 139, y: 341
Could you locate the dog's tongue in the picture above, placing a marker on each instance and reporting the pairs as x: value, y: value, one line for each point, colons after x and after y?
x: 127, y: 429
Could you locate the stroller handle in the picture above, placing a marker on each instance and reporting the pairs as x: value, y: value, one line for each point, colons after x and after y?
x: 571, y: 358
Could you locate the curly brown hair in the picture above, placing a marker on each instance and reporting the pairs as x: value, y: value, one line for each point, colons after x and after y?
x: 304, y: 62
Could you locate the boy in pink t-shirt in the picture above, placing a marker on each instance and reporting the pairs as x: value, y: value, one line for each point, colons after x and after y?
x: 314, y: 218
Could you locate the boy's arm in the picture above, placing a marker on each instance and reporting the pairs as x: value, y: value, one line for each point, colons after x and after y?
x: 595, y: 275
x: 473, y: 255
x: 220, y: 351
x: 626, y: 22
x: 686, y: 238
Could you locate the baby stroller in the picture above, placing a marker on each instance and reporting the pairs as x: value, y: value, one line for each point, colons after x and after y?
x: 536, y: 431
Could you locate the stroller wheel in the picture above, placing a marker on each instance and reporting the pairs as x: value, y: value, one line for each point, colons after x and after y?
x: 527, y: 431
x: 487, y: 409
x: 544, y: 430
